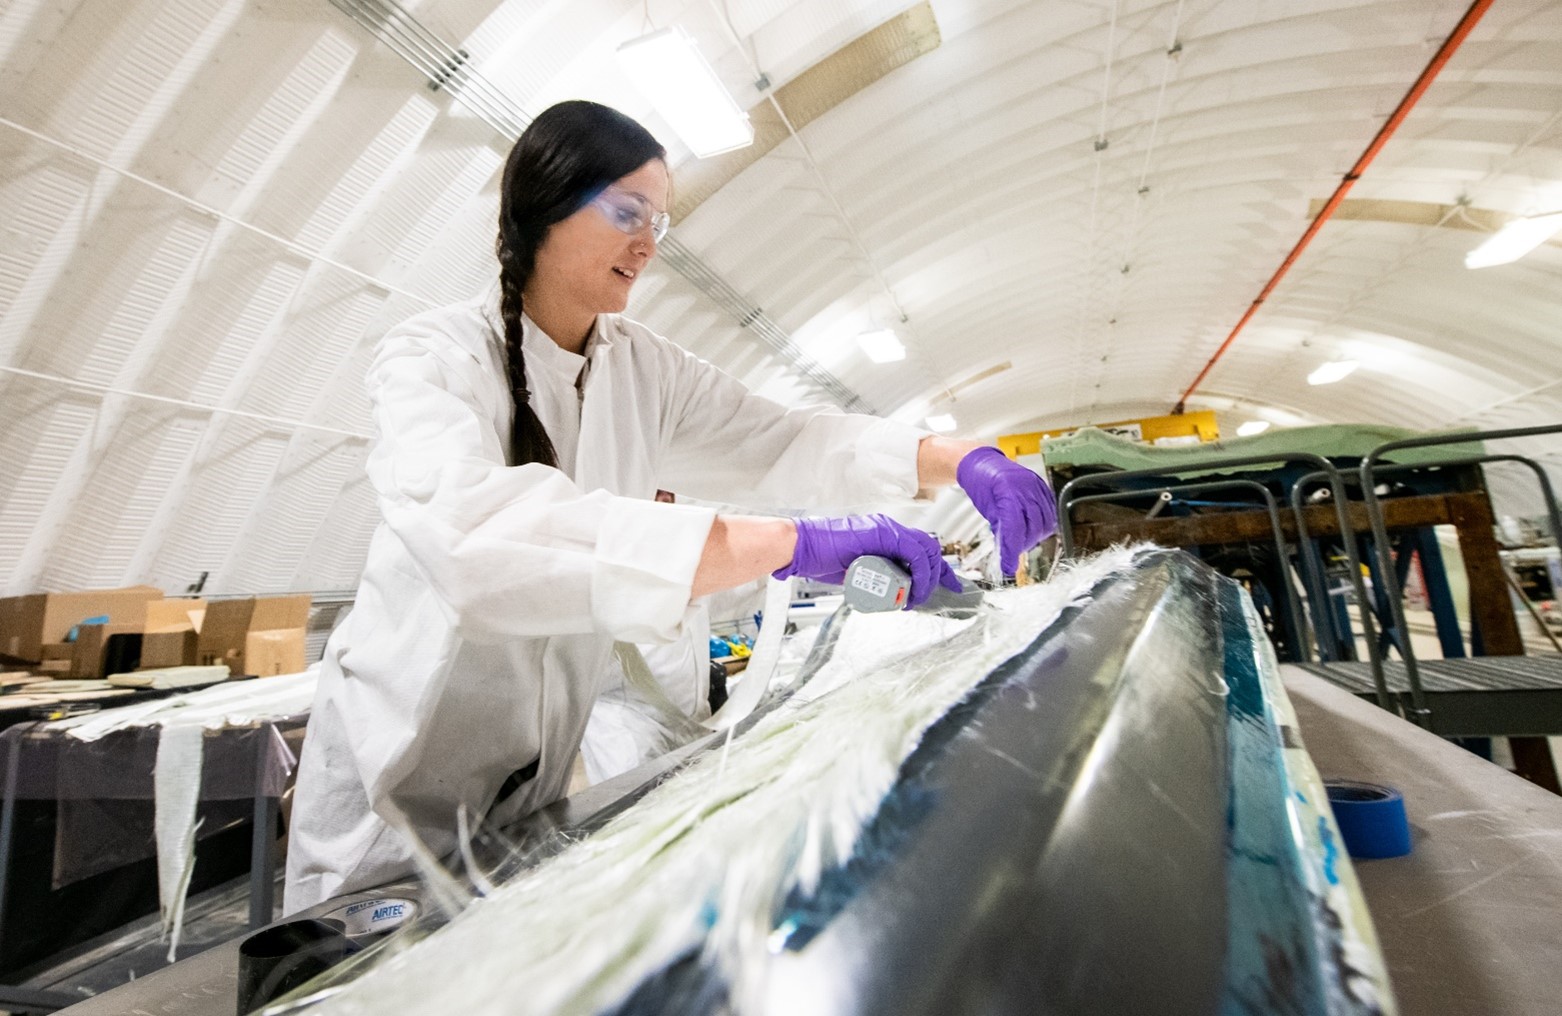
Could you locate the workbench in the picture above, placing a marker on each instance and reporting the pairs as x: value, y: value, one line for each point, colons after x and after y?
x: 100, y: 800
x: 1471, y: 920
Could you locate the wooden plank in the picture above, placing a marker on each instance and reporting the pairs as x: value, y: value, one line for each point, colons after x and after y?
x: 1248, y: 526
x: 1491, y: 609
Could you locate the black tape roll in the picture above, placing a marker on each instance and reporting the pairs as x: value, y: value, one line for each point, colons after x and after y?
x: 275, y: 960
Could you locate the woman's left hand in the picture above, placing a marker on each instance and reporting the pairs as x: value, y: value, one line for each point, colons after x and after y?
x: 1014, y: 500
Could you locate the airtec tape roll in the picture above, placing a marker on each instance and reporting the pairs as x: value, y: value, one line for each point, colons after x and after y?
x: 1371, y: 818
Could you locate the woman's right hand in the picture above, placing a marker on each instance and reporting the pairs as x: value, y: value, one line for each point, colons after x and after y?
x: 826, y: 547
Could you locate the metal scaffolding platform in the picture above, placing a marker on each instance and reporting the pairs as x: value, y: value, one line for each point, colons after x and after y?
x: 1482, y: 696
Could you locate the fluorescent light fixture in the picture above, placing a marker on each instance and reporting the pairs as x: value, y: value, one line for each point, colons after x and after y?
x: 943, y: 423
x: 882, y: 346
x: 1252, y: 427
x: 1514, y: 240
x: 669, y: 70
x: 1331, y: 372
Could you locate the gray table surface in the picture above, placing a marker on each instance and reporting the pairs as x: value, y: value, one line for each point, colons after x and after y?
x: 1471, y: 919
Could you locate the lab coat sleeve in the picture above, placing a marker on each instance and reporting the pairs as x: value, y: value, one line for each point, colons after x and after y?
x: 514, y: 551
x: 726, y: 443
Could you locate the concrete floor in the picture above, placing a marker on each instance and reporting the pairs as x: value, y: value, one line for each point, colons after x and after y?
x: 1471, y: 920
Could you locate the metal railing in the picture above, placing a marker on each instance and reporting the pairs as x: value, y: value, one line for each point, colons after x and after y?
x: 1368, y: 474
x: 1321, y: 465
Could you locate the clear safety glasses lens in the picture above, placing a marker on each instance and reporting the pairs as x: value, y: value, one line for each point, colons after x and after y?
x: 629, y: 214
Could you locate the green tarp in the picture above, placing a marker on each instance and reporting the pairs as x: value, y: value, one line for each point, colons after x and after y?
x: 1097, y: 449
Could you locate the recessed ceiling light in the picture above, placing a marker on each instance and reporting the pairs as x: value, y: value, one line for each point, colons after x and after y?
x: 1514, y: 240
x: 1331, y: 372
x: 1252, y: 427
x: 669, y: 69
x: 882, y: 346
x: 942, y: 422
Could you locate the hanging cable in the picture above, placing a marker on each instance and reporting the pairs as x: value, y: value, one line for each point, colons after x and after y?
x: 752, y: 59
x: 1142, y: 189
x: 1087, y: 286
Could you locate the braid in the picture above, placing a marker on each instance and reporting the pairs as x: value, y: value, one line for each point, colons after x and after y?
x: 529, y: 441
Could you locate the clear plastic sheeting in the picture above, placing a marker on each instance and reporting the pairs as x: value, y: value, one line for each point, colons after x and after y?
x: 106, y: 771
x: 177, y: 774
x: 105, y: 789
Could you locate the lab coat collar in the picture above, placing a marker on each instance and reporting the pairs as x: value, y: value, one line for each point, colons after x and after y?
x: 539, y: 347
x: 543, y: 351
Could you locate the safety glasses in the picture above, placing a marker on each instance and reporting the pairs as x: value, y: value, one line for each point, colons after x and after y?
x: 630, y: 213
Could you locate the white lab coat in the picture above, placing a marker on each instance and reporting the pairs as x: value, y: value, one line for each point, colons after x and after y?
x: 492, y: 594
x: 626, y: 727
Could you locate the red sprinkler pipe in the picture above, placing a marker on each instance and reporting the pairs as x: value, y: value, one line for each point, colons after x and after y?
x: 1439, y: 60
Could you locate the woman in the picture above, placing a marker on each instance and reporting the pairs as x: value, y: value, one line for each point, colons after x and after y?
x: 520, y: 440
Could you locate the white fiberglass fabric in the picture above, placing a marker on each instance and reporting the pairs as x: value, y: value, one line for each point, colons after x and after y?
x: 177, y: 781
x: 229, y: 704
x: 705, y: 859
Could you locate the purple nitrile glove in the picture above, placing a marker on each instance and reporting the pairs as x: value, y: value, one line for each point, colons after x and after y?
x: 1015, y: 501
x: 827, y: 547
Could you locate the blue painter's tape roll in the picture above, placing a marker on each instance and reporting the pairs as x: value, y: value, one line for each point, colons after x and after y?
x: 1371, y: 818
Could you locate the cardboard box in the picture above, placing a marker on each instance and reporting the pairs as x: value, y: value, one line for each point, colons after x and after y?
x: 171, y: 633
x: 269, y: 653
x: 28, y: 622
x: 221, y: 638
x: 226, y: 628
x: 163, y: 649
x: 91, y: 641
x: 174, y: 614
x: 275, y: 613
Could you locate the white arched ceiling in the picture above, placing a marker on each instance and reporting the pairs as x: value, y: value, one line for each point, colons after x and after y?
x: 211, y: 210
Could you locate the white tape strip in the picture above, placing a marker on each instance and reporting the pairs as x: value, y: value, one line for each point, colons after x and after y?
x: 762, y: 664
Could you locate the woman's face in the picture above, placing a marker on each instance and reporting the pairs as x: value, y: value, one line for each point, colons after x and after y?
x: 588, y: 263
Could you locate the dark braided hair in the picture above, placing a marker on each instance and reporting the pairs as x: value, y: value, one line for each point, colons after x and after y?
x: 564, y: 159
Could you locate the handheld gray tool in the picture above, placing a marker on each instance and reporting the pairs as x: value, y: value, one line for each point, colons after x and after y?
x: 875, y: 584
